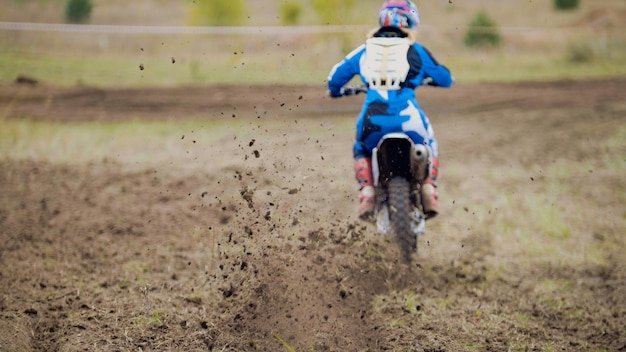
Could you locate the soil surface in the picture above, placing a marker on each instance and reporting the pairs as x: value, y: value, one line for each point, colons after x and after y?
x: 255, y: 245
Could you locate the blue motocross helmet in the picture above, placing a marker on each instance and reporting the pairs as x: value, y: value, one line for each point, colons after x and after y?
x: 401, y: 14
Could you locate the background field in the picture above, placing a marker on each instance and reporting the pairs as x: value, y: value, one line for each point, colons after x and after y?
x: 538, y: 43
x: 209, y: 203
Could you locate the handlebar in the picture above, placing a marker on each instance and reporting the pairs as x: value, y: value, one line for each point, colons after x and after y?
x: 352, y: 90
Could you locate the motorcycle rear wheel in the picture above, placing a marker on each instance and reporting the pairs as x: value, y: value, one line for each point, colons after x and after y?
x: 400, y: 207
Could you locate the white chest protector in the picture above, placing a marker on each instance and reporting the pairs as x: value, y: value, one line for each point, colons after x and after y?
x: 384, y: 64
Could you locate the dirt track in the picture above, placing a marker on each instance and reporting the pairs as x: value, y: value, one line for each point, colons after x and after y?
x: 260, y: 243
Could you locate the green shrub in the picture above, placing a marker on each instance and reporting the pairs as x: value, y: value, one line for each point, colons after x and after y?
x: 566, y: 4
x: 78, y: 11
x: 580, y: 52
x: 218, y: 12
x: 483, y: 31
x: 290, y: 12
x: 333, y: 11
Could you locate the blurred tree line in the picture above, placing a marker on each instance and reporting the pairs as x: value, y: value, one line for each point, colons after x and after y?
x: 218, y: 12
x: 233, y: 12
x: 482, y: 31
x: 78, y: 11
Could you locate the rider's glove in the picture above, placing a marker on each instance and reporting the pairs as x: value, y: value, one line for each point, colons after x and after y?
x: 349, y: 90
x: 428, y: 81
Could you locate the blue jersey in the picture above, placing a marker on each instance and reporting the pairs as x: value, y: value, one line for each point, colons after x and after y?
x: 390, y: 104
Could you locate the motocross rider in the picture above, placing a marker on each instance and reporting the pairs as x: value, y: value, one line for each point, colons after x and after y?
x: 391, y: 64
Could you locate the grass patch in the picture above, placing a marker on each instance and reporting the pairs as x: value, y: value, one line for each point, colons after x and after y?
x: 547, y: 216
x: 559, y: 217
x: 71, y: 70
x: 130, y: 141
x: 148, y: 321
x: 162, y: 69
x: 502, y: 67
x: 237, y: 63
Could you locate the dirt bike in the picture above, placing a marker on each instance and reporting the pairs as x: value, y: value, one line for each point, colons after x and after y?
x: 398, y: 166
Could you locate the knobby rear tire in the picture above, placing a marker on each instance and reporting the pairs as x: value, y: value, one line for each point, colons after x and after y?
x: 400, y: 208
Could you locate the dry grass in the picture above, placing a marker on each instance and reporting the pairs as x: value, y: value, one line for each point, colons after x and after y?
x: 95, y: 141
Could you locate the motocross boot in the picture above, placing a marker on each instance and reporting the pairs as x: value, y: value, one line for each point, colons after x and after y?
x: 367, y: 193
x: 429, y: 191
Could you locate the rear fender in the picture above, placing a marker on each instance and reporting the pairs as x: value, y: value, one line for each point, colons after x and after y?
x: 392, y: 157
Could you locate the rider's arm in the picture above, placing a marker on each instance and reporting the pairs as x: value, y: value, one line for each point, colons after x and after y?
x: 343, y: 72
x: 439, y: 75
